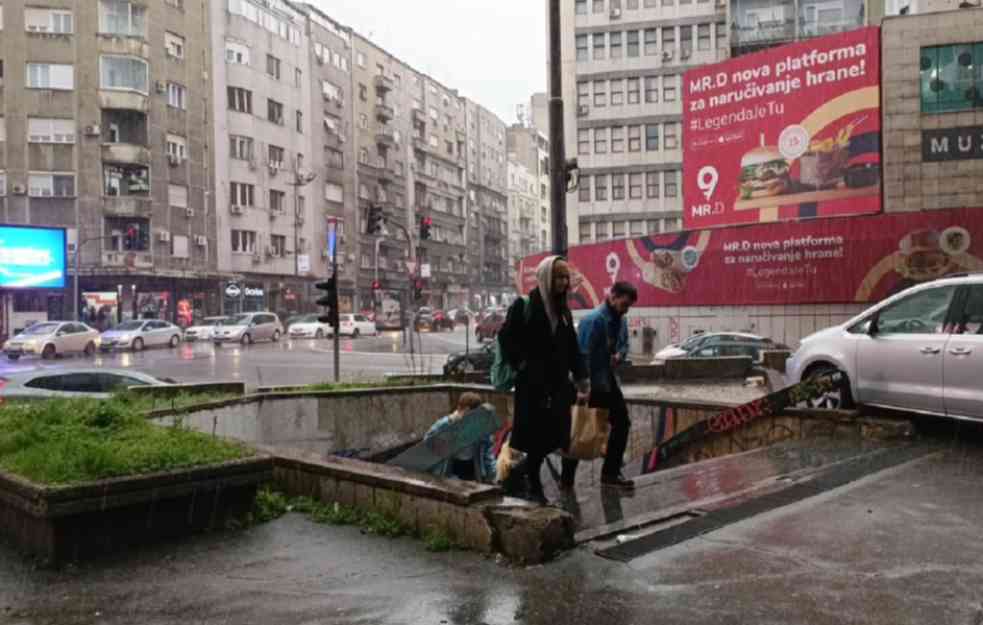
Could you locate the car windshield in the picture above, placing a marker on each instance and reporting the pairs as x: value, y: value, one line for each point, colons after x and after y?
x: 128, y: 326
x: 238, y: 320
x: 307, y: 319
x: 212, y: 322
x: 41, y: 328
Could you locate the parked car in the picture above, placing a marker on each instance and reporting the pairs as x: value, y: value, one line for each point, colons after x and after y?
x: 715, y: 344
x: 248, y: 328
x: 356, y: 326
x: 470, y: 362
x: 920, y: 351
x: 96, y: 382
x: 308, y: 327
x: 140, y: 334
x: 460, y: 315
x: 202, y: 331
x: 51, y: 338
x: 440, y: 321
x: 423, y: 319
x: 489, y: 326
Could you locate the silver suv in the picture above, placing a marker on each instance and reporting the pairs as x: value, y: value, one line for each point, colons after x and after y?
x: 920, y: 351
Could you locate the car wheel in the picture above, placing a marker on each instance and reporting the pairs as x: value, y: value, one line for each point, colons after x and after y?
x: 13, y: 356
x: 90, y: 348
x: 355, y: 333
x: 276, y: 336
x: 175, y: 340
x: 246, y: 339
x: 319, y: 334
x: 839, y: 399
x: 48, y: 352
x: 138, y: 345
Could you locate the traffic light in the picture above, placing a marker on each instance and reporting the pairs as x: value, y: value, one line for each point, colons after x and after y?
x: 425, y: 223
x: 373, y: 225
x: 418, y: 290
x: 329, y: 301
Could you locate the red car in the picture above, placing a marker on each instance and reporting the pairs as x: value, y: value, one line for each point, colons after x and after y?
x: 489, y: 326
x: 440, y: 321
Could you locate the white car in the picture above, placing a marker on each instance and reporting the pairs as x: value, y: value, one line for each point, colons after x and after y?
x: 140, y: 334
x: 248, y: 328
x: 356, y: 325
x: 202, y: 331
x: 50, y: 338
x: 918, y: 351
x: 308, y: 327
x: 99, y: 383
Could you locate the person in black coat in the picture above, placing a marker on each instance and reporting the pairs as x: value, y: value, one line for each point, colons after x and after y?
x: 545, y: 353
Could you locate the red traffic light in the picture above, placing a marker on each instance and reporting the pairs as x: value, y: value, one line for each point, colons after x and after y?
x: 427, y: 221
x: 376, y: 286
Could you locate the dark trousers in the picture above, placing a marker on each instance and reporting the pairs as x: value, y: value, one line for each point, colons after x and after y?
x: 614, y: 402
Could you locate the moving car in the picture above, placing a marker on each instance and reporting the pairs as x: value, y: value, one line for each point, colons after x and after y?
x: 140, y: 334
x: 441, y: 321
x: 423, y: 319
x: 248, y: 328
x: 203, y: 330
x: 918, y: 351
x: 717, y: 344
x: 470, y: 362
x: 99, y: 383
x: 460, y: 315
x: 50, y: 338
x: 308, y: 327
x: 356, y: 325
x: 489, y: 326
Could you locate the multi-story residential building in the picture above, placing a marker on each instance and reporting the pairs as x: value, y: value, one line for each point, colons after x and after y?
x: 530, y: 147
x: 623, y: 113
x: 759, y: 24
x: 105, y: 131
x: 264, y: 183
x: 539, y: 112
x: 487, y: 169
x: 524, y: 204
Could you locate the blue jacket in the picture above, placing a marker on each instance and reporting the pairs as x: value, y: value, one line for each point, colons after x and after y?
x: 600, y: 325
x: 484, y: 448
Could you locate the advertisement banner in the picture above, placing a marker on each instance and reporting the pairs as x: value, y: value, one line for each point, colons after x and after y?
x: 787, y: 133
x: 32, y: 257
x: 826, y: 261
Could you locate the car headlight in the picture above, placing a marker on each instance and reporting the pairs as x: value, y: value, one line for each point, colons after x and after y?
x: 97, y: 341
x: 31, y: 344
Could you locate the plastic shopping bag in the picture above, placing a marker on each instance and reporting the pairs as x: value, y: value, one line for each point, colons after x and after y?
x: 589, y: 430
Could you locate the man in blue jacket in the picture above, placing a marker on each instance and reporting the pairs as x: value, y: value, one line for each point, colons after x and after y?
x: 603, y: 338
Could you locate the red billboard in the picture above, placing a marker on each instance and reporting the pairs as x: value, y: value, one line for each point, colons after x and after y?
x: 824, y: 261
x: 789, y: 133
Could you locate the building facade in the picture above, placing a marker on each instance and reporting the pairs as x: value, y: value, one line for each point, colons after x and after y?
x: 622, y: 72
x: 106, y: 132
x: 759, y: 24
x: 524, y: 203
x: 529, y: 146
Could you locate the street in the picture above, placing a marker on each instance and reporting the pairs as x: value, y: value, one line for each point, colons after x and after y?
x: 286, y: 362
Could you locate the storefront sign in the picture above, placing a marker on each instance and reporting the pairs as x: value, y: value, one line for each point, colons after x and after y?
x: 952, y: 144
x: 425, y: 270
x: 786, y: 133
x: 855, y: 259
x: 32, y: 257
x: 303, y: 263
x: 251, y: 291
x: 233, y: 291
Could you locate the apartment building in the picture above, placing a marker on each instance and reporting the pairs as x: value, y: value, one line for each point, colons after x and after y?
x: 760, y: 24
x: 524, y: 204
x: 105, y: 131
x: 529, y: 146
x: 623, y: 66
x: 487, y: 169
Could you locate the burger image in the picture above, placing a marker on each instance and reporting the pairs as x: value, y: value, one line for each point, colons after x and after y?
x: 922, y: 257
x: 764, y: 173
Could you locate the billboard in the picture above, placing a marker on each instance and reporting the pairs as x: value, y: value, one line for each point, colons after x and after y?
x: 823, y: 261
x: 788, y: 133
x: 32, y: 257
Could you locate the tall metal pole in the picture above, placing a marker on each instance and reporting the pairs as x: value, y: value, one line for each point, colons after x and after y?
x: 337, y: 332
x: 558, y: 175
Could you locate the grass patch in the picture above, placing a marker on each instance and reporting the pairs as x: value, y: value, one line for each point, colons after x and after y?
x: 333, y: 387
x: 58, y: 442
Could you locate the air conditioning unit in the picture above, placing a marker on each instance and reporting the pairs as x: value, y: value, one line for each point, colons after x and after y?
x: 93, y: 131
x: 161, y: 86
x: 274, y: 168
x: 173, y: 160
x: 257, y: 258
x: 18, y: 189
x: 269, y: 251
x: 616, y: 13
x: 235, y: 209
x: 583, y: 110
x: 684, y: 55
x: 164, y: 236
x: 667, y: 56
x: 201, y: 241
x: 189, y: 212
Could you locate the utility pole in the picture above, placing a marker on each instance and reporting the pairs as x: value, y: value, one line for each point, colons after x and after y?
x: 333, y: 245
x: 558, y: 167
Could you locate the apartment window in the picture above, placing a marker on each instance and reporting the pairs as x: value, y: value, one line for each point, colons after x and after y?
x: 177, y: 195
x: 617, y: 92
x: 600, y: 141
x: 636, y: 228
x: 242, y: 194
x: 651, y: 41
x: 363, y: 156
x: 581, y: 7
x: 279, y: 244
x: 51, y: 185
x: 583, y: 189
x: 48, y: 21
x: 651, y: 137
x: 632, y: 43
x: 581, y: 47
x: 274, y: 111
x: 652, y: 184
x: 177, y: 147
x: 243, y: 242
x: 50, y: 76
x: 651, y: 4
x: 668, y: 38
x: 586, y: 234
x: 601, y: 188
x: 950, y: 79
x: 599, y: 46
x: 598, y: 6
x: 177, y: 96
x: 668, y: 88
x: 671, y: 141
x: 241, y: 148
x: 600, y: 93
x: 240, y: 99
x: 634, y: 94
x: 126, y: 180
x: 617, y: 139
x: 667, y: 3
x: 617, y: 187
x: 331, y: 90
x: 651, y: 89
x: 44, y: 130
x: 298, y: 78
x: 174, y: 45
x: 618, y: 230
x: 124, y: 73
x: 686, y: 40
x: 601, y: 231
x: 634, y: 138
x: 276, y: 155
x: 300, y: 121
x: 278, y: 201
x: 616, y: 52
x: 121, y: 17
x: 583, y: 93
x: 721, y: 35
x: 631, y: 5
x: 335, y: 159
x: 671, y: 188
x: 236, y: 53
x: 635, y: 186
x: 703, y: 37
x: 583, y: 141
x: 360, y: 59
x: 179, y: 4
x: 335, y: 192
x: 273, y: 66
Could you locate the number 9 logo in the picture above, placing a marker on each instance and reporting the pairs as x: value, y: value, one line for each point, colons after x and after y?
x: 707, y: 180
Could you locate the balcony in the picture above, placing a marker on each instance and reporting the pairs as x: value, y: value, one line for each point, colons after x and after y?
x: 125, y: 153
x: 763, y: 34
x: 421, y: 144
x: 813, y: 28
x: 129, y: 260
x: 383, y: 84
x: 419, y: 116
x: 124, y: 101
x: 127, y: 206
x: 384, y: 113
x: 123, y: 45
x: 386, y: 138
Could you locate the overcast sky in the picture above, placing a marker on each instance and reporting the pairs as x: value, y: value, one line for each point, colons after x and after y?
x: 492, y: 51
